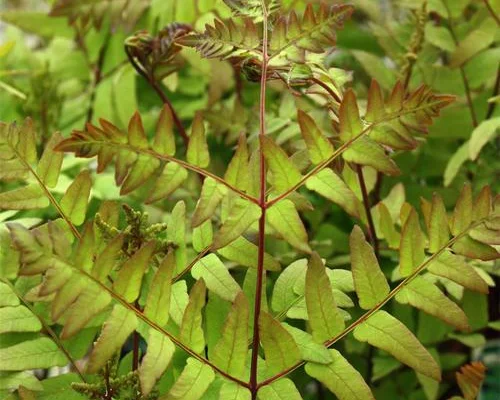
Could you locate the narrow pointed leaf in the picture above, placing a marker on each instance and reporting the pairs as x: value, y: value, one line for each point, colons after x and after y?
x: 32, y: 354
x: 49, y: 166
x: 412, y: 246
x: 158, y: 300
x: 202, y: 236
x: 75, y: 200
x: 350, y: 121
x: 216, y: 276
x: 438, y: 225
x: 129, y: 279
x: 283, y: 291
x: 24, y: 198
x: 233, y: 391
x: 89, y: 303
x: 369, y: 280
x: 197, y: 152
x: 172, y: 177
x: 192, y: 383
x: 455, y: 268
x: 18, y: 319
x: 318, y: 146
x: 244, y: 253
x: 341, y: 378
x: 241, y: 216
x: 191, y: 332
x: 238, y: 173
x: 424, y: 295
x: 279, y: 346
x: 384, y: 331
x: 232, y: 348
x: 144, y: 167
x: 462, y: 215
x: 120, y: 324
x: 136, y: 135
x: 328, y: 184
x: 178, y: 301
x: 212, y: 194
x: 324, y: 317
x: 284, y: 173
x: 282, y: 389
x: 364, y: 151
x: 309, y: 349
x: 155, y: 362
x: 164, y: 141
x: 285, y: 219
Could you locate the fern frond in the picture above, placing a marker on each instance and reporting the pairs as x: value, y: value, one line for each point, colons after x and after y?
x: 292, y: 39
x: 138, y: 161
x: 227, y: 40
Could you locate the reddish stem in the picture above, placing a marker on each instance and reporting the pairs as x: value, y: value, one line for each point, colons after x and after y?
x: 262, y: 221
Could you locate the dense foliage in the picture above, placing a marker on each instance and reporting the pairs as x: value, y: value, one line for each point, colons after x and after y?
x: 248, y: 199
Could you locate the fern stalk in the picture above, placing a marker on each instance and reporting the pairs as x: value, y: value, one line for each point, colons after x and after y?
x: 262, y: 204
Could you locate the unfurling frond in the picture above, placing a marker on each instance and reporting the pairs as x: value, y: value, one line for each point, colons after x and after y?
x: 291, y: 40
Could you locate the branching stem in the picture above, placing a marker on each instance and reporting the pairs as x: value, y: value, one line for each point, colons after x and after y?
x: 262, y: 221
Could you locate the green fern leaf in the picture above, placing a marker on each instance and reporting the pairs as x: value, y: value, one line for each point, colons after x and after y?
x: 75, y: 200
x: 155, y: 362
x: 282, y: 389
x: 324, y: 317
x: 197, y: 152
x: 244, y: 253
x: 214, y: 273
x: 233, y: 391
x: 211, y: 195
x: 424, y: 295
x: 129, y: 279
x: 384, y: 331
x: 192, y: 383
x: 284, y: 173
x: 232, y: 348
x: 328, y: 184
x: 120, y: 324
x: 369, y: 281
x: 32, y: 354
x: 241, y: 216
x: 279, y: 346
x: 191, y: 332
x: 341, y: 378
x: 319, y: 147
x: 158, y: 301
x: 412, y: 247
x: 455, y: 268
x: 285, y: 219
x: 18, y: 319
